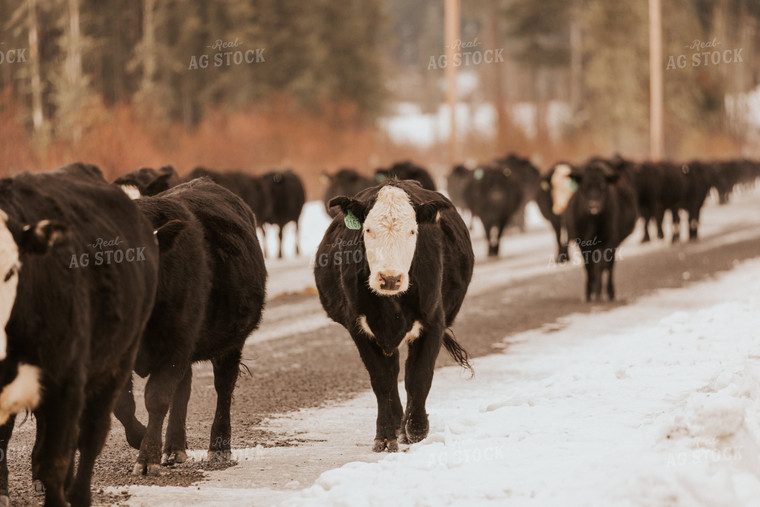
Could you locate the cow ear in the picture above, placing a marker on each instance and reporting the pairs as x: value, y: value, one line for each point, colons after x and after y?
x: 168, y: 233
x: 427, y: 213
x: 158, y: 185
x: 40, y: 237
x: 357, y: 208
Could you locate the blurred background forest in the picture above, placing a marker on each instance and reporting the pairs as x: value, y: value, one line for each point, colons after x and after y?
x: 352, y: 83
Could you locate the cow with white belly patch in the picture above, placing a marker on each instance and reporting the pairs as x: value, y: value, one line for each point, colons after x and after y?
x: 394, y: 266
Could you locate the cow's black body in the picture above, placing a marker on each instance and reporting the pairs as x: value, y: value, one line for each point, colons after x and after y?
x: 439, y: 276
x: 246, y: 186
x: 345, y: 182
x: 599, y: 234
x: 545, y: 202
x: 494, y: 195
x: 80, y: 325
x: 529, y: 178
x: 286, y: 196
x: 150, y: 181
x: 210, y: 298
x: 407, y: 170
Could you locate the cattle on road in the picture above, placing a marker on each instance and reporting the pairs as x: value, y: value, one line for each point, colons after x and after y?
x: 545, y: 200
x: 406, y: 284
x: 494, y: 195
x: 286, y: 196
x: 406, y: 170
x: 210, y: 298
x: 73, y: 312
x: 148, y: 181
x: 599, y: 216
x: 346, y: 182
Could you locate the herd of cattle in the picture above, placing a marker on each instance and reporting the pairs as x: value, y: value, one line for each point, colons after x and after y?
x: 182, y: 279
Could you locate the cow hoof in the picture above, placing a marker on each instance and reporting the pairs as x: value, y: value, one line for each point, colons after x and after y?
x: 401, y: 437
x: 39, y: 488
x: 220, y: 456
x: 146, y: 469
x: 382, y: 445
x: 174, y: 458
x: 414, y: 435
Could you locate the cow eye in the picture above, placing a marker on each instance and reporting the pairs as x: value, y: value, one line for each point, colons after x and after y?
x: 411, y: 233
x: 10, y: 273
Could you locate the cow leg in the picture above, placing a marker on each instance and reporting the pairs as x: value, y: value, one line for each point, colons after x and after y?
x: 175, y: 446
x: 676, y: 225
x: 693, y: 224
x: 6, y: 431
x: 226, y: 371
x: 610, y: 283
x: 659, y: 216
x: 125, y: 413
x: 418, y: 379
x: 494, y: 238
x: 383, y: 374
x: 51, y: 463
x: 279, y: 243
x: 94, y: 426
x: 597, y: 269
x: 298, y: 251
x: 589, y: 273
x: 646, y: 216
x: 561, y: 249
x: 159, y: 391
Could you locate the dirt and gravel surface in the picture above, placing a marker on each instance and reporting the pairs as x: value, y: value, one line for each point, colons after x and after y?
x: 299, y: 360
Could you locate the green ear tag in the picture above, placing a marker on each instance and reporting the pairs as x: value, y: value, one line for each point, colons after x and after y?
x: 478, y: 174
x: 545, y: 186
x: 352, y: 222
x: 573, y: 185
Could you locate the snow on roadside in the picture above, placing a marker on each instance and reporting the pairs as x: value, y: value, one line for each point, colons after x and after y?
x: 657, y: 403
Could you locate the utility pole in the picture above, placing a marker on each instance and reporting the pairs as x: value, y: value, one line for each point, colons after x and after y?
x: 452, y: 24
x: 656, y: 142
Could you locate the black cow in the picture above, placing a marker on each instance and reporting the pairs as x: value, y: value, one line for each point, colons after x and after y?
x: 599, y: 216
x: 545, y: 202
x: 408, y: 267
x: 246, y: 186
x: 456, y: 184
x: 406, y: 170
x: 75, y: 311
x: 700, y: 179
x: 210, y: 298
x: 149, y: 181
x: 494, y: 195
x: 287, y: 196
x: 345, y: 182
x: 528, y: 176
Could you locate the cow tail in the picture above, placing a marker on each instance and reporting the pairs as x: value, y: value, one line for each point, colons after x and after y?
x: 457, y: 352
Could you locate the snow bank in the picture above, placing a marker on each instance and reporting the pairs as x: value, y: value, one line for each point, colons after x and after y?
x: 653, y: 404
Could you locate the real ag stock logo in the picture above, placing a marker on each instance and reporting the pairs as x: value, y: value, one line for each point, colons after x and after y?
x: 226, y: 54
x: 467, y: 58
x: 705, y: 53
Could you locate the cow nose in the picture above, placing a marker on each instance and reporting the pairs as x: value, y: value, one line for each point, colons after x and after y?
x: 390, y: 282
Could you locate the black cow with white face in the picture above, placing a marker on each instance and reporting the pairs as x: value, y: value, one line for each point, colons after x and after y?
x: 210, y: 298
x: 71, y: 331
x: 599, y: 216
x: 555, y: 186
x: 409, y: 265
x: 344, y: 182
x: 148, y: 181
